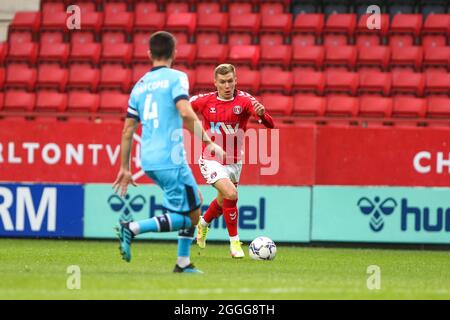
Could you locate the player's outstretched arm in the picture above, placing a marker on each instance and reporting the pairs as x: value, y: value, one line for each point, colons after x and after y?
x: 124, y: 177
x: 194, y: 125
x: 261, y: 112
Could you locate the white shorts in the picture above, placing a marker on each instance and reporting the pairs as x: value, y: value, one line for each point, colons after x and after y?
x: 213, y: 171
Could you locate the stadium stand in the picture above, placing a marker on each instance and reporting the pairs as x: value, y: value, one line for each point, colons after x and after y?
x: 304, y: 58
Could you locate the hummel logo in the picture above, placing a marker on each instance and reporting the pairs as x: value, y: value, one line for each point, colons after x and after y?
x: 117, y: 203
x: 212, y: 110
x: 377, y: 211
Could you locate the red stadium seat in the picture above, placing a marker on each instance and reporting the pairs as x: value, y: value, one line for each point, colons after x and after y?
x: 20, y: 77
x: 140, y: 53
x: 364, y: 23
x: 239, y: 8
x: 306, y: 105
x: 367, y: 40
x: 248, y: 80
x: 185, y: 22
x: 85, y: 7
x: 2, y: 97
x: 309, y: 81
x: 186, y: 53
x: 335, y: 40
x: 372, y: 106
x: 51, y: 37
x: 313, y: 56
x: 249, y: 22
x: 401, y: 40
x: 113, y: 102
x: 206, y: 8
x: 181, y: 37
x: 341, y: 23
x: 342, y: 82
x: 117, y: 53
x: 23, y: 52
x: 51, y: 101
x: 92, y: 21
x: 281, y: 23
x: 20, y: 37
x: 437, y: 24
x: 271, y: 39
x: 113, y: 37
x: 52, y: 77
x: 83, y: 77
x: 204, y: 76
x: 438, y: 107
x: 115, y: 7
x: 3, y: 52
x: 279, y: 55
x: 118, y: 21
x: 303, y: 40
x: 407, y: 57
x: 211, y: 53
x: 406, y: 82
x: 271, y: 9
x: 26, y: 21
x: 375, y: 82
x: 240, y: 39
x: 177, y: 7
x: 56, y: 52
x: 248, y: 55
x: 17, y: 100
x: 207, y: 38
x: 309, y: 23
x: 50, y: 8
x: 2, y: 77
x: 115, y: 77
x: 409, y: 107
x: 437, y: 83
x: 56, y: 21
x: 88, y: 52
x: 437, y: 57
x: 278, y: 104
x: 406, y: 24
x: 83, y: 102
x: 339, y: 106
x: 213, y: 22
x: 276, y: 81
x: 376, y: 56
x: 138, y: 71
x: 433, y: 40
x: 81, y: 37
x: 343, y: 56
x: 146, y: 20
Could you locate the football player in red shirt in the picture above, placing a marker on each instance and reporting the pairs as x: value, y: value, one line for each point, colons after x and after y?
x: 225, y: 116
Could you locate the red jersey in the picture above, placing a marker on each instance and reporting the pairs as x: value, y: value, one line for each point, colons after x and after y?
x: 225, y: 121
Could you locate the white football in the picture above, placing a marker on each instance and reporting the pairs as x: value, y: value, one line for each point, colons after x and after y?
x: 262, y: 248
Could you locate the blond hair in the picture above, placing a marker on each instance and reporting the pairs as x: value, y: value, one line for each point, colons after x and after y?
x: 224, y: 69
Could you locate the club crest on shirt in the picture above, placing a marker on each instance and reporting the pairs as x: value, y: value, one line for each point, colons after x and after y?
x: 237, y: 109
x: 213, y: 175
x: 212, y: 110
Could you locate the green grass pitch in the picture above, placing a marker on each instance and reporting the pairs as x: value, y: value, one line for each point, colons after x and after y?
x: 37, y: 269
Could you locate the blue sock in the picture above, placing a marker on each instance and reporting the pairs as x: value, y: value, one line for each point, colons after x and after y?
x: 165, y: 223
x: 185, y: 237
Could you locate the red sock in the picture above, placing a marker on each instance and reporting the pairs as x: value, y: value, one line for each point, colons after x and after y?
x: 214, y: 211
x: 230, y: 212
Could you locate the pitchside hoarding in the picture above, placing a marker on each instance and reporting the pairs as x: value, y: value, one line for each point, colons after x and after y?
x: 41, y: 210
x: 381, y: 214
x: 281, y: 213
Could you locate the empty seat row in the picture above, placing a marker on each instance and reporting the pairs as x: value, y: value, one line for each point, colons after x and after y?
x: 277, y: 105
x: 116, y: 77
x: 48, y: 101
x: 285, y: 56
x: 366, y: 106
x: 409, y: 24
